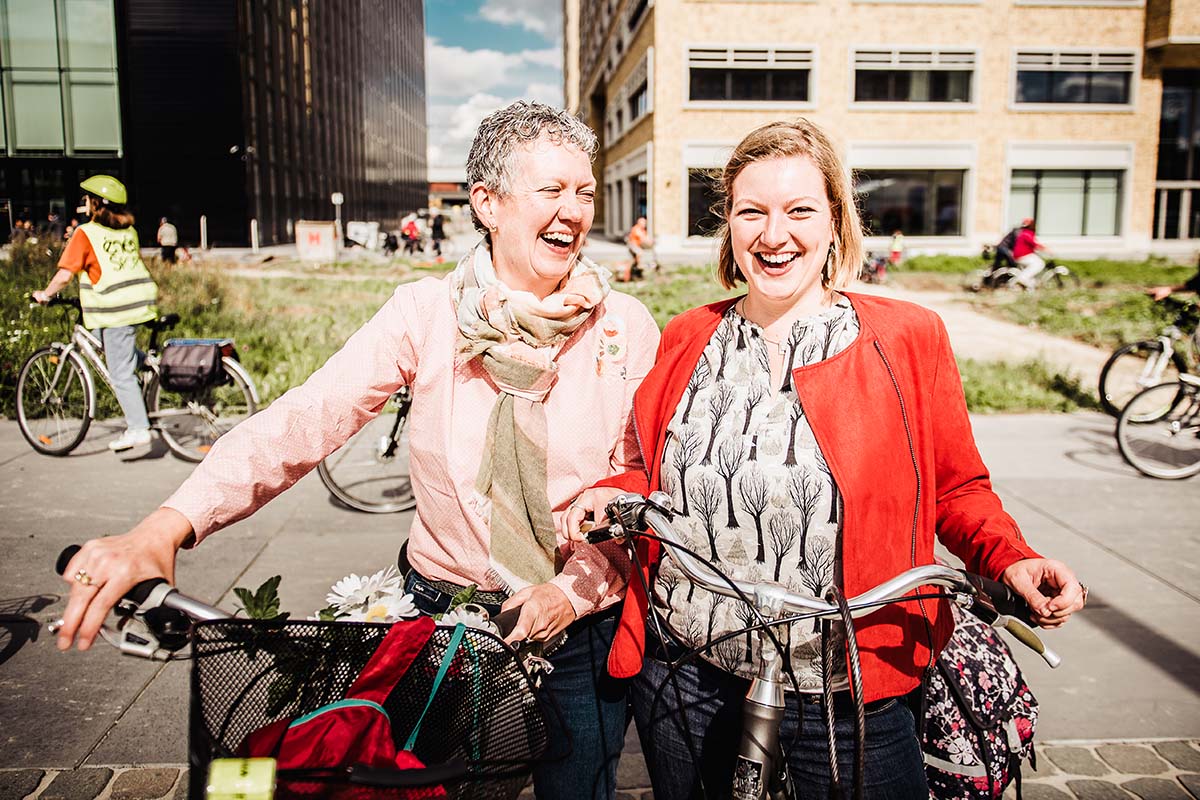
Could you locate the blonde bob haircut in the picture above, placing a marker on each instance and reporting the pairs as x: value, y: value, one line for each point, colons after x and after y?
x: 786, y: 140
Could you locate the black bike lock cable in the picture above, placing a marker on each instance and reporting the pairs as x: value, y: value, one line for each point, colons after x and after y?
x: 671, y: 675
x: 835, y: 780
x: 856, y: 686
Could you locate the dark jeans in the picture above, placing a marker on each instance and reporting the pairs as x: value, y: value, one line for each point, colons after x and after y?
x: 712, y: 700
x: 582, y: 758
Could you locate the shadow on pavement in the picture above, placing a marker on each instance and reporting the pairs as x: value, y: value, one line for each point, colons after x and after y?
x: 1180, y: 663
x: 1098, y: 451
x: 17, y: 628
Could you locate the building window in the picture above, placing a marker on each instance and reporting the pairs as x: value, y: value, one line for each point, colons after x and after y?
x: 916, y: 202
x: 749, y: 74
x: 702, y: 197
x: 1075, y: 78
x: 913, y: 76
x: 1067, y: 202
x: 638, y: 102
x: 59, y: 104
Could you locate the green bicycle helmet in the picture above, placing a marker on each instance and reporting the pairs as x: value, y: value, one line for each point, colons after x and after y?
x: 107, y: 188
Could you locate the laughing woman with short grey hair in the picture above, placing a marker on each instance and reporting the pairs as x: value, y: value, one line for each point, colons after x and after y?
x: 524, y: 330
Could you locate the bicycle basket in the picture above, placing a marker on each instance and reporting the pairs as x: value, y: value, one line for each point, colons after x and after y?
x: 486, y: 715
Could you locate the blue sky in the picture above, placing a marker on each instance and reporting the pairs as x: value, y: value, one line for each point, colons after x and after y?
x: 479, y: 56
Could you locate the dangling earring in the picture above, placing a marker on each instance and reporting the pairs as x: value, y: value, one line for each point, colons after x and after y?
x: 826, y: 270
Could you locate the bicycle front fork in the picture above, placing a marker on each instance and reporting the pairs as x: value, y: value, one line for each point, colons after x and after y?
x: 761, y: 771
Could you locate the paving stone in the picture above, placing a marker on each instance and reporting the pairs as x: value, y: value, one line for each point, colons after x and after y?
x: 144, y: 784
x: 1076, y: 761
x: 1183, y: 755
x: 16, y: 784
x: 1045, y: 767
x: 1097, y: 790
x: 77, y: 784
x: 1132, y: 759
x: 181, y: 789
x: 1038, y: 791
x: 631, y: 772
x: 1156, y: 789
x: 1191, y: 782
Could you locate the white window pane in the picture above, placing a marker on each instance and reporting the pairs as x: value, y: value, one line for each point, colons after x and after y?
x: 32, y: 40
x: 90, y: 34
x: 1021, y: 197
x: 1104, y: 201
x: 1060, y: 210
x: 37, y: 111
x: 95, y: 123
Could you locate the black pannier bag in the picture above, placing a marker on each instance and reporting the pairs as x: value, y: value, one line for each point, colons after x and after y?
x: 189, y: 365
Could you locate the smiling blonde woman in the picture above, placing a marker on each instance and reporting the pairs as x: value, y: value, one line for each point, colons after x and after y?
x: 812, y: 437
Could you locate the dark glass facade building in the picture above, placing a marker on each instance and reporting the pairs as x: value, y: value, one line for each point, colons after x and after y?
x: 231, y: 109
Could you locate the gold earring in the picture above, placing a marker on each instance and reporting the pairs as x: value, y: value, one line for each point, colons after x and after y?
x: 826, y: 276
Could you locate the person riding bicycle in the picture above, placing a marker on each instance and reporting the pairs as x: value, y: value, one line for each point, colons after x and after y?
x: 1027, y: 254
x: 506, y: 356
x: 1003, y: 255
x: 814, y: 438
x: 116, y: 293
x: 636, y: 241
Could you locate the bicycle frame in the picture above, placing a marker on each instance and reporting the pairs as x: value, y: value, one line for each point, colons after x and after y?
x: 762, y: 769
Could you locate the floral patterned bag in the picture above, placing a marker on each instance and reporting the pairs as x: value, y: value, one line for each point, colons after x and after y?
x: 979, y: 718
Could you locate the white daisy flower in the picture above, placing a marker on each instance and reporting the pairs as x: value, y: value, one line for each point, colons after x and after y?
x: 470, y: 615
x: 356, y: 591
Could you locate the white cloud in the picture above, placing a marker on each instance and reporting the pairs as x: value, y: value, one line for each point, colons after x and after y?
x: 543, y: 17
x: 453, y: 71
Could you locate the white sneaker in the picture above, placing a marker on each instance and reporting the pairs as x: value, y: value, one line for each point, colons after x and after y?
x: 130, y: 439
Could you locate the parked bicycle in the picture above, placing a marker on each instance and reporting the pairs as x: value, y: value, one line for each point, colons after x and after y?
x: 1054, y: 276
x: 467, y: 702
x: 761, y: 767
x: 1158, y: 431
x: 1137, y: 366
x: 370, y: 472
x: 56, y: 392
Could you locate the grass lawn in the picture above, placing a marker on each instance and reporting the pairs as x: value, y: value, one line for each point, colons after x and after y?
x: 287, y: 318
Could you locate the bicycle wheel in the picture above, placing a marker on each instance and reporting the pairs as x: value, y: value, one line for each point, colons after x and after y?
x: 370, y: 472
x: 1063, y: 278
x: 190, y: 422
x: 1166, y: 443
x: 1135, y: 367
x: 55, y: 399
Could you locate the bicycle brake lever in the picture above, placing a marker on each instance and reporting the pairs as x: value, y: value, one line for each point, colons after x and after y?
x: 1028, y: 637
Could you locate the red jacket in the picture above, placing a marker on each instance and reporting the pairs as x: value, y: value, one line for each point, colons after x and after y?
x: 889, y: 415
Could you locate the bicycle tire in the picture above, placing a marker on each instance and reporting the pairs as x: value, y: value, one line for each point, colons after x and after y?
x: 1122, y: 375
x: 58, y: 424
x: 1065, y: 280
x: 1158, y: 432
x: 191, y: 422
x: 369, y: 473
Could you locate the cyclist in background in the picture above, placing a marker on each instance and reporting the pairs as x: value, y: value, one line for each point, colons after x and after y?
x: 637, y: 240
x: 506, y: 355
x: 1027, y: 254
x: 764, y: 421
x: 116, y: 293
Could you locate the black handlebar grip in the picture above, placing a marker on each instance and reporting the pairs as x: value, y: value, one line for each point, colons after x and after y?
x: 507, y: 620
x: 137, y: 594
x: 1005, y: 600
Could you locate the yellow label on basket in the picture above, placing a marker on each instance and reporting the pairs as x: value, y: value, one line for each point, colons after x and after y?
x: 241, y: 779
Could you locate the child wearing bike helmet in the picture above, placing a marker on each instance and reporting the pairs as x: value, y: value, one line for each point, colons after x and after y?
x: 116, y: 293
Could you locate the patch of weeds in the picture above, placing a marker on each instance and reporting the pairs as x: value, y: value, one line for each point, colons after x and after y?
x: 996, y: 386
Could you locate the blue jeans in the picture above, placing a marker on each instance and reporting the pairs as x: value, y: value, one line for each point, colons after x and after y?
x: 584, y: 756
x: 120, y: 354
x: 712, y: 700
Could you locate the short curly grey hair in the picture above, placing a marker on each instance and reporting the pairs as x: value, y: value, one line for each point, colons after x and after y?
x: 490, y: 159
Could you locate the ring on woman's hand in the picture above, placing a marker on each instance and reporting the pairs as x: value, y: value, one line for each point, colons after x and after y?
x: 82, y: 576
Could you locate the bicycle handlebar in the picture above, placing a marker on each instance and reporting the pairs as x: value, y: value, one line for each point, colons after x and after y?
x: 630, y: 514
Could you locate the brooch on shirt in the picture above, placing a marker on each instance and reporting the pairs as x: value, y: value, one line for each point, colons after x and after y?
x: 613, y: 347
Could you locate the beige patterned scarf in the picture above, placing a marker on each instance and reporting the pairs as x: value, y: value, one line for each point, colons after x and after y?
x: 512, y: 332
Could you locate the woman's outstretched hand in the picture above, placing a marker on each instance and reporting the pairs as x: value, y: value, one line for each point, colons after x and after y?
x: 588, y: 505
x: 545, y: 613
x: 105, y: 569
x: 1049, y: 587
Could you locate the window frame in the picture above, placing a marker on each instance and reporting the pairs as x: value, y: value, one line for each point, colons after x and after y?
x: 812, y: 50
x: 921, y: 105
x: 1134, y: 71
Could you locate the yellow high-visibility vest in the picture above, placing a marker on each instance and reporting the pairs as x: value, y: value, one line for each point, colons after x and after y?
x: 125, y: 294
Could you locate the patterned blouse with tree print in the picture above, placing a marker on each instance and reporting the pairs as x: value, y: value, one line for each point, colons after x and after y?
x: 753, y: 490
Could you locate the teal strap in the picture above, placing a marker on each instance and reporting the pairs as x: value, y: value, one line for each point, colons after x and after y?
x: 350, y: 703
x: 451, y: 649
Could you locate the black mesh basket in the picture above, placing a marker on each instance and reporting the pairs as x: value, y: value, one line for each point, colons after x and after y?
x: 487, y: 723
